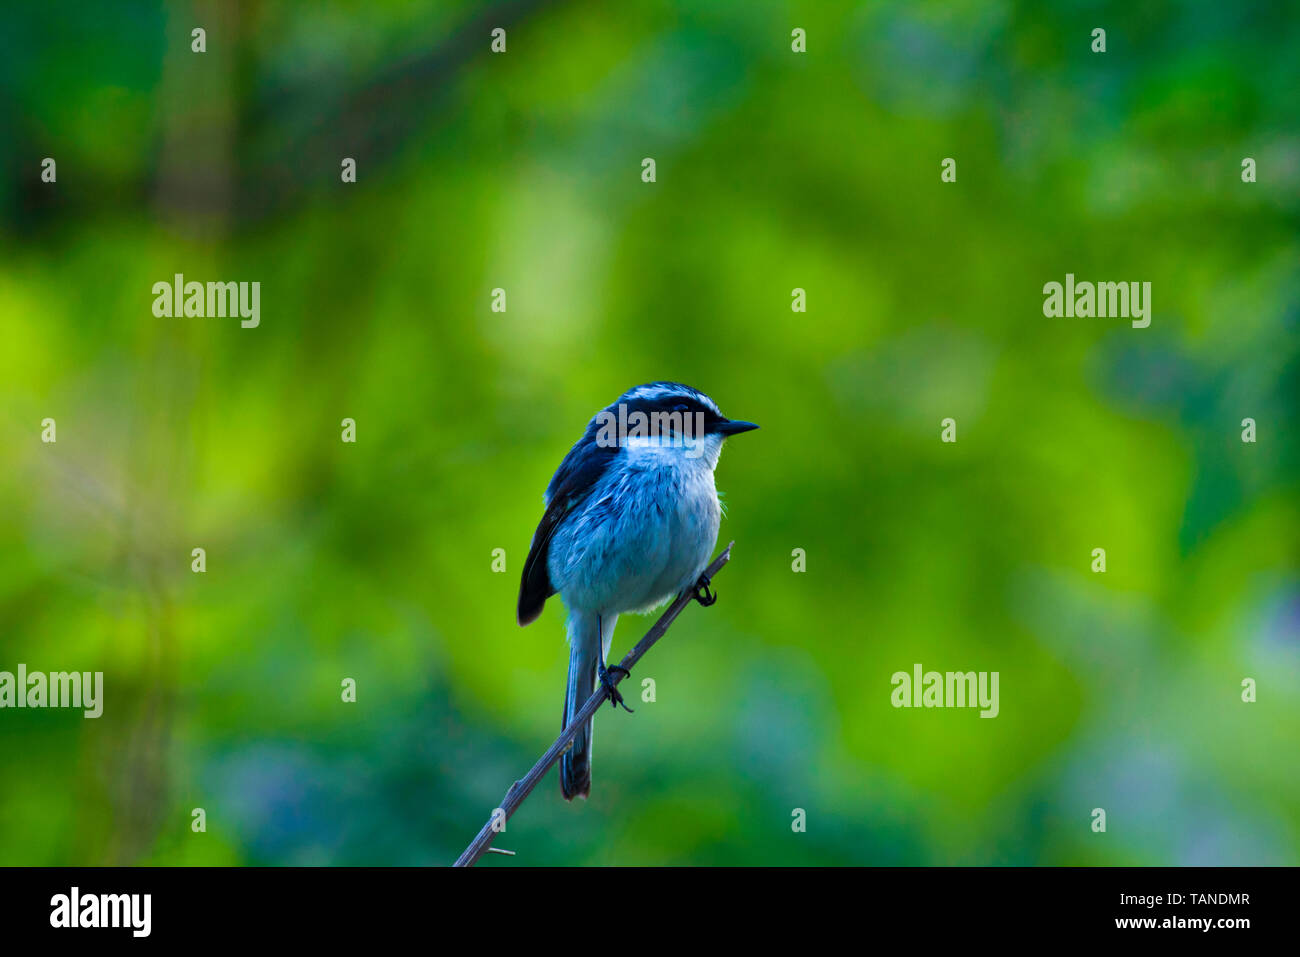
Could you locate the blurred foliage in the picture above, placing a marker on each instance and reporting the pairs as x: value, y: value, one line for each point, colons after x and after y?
x: 775, y: 171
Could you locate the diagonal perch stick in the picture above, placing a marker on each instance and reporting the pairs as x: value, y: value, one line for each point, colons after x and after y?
x: 521, y: 789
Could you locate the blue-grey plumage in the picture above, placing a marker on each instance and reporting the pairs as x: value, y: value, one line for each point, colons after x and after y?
x: 631, y: 520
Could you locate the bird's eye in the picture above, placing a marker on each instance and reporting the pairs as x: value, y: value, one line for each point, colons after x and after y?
x: 681, y: 407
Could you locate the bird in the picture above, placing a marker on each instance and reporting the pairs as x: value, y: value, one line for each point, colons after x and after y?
x: 631, y: 519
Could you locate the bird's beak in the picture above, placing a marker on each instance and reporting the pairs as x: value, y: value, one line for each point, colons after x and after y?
x: 733, y: 427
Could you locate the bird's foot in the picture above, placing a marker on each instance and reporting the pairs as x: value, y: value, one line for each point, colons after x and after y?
x: 702, y: 594
x: 606, y: 676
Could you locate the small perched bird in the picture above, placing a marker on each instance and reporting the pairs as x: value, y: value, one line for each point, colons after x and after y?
x: 631, y: 520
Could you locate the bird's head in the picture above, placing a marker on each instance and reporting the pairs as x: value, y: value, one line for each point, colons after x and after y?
x: 664, y: 416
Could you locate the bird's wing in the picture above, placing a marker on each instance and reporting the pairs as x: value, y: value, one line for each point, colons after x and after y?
x: 569, y: 487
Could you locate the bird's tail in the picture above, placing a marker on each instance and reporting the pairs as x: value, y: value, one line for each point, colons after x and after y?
x: 586, y: 645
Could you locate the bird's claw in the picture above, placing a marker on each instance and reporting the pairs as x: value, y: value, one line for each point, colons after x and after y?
x: 606, y: 679
x: 702, y: 593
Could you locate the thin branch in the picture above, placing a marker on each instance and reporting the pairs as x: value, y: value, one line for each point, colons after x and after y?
x: 521, y: 789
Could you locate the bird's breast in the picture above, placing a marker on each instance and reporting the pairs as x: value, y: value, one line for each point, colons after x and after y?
x: 646, y: 528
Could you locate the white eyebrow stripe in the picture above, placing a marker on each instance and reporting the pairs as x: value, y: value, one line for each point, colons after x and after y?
x: 654, y: 392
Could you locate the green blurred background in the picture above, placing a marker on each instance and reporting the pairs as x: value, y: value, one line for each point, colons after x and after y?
x: 775, y: 170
